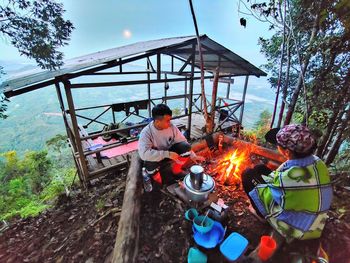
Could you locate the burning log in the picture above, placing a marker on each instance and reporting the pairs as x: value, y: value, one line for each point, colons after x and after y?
x: 126, y: 244
x: 229, y: 167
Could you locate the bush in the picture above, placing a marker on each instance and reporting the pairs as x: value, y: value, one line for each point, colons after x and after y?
x: 30, y: 184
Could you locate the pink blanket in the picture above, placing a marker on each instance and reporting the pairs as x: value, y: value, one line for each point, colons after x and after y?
x: 119, y: 150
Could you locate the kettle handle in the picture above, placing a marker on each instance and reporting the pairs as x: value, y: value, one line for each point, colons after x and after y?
x: 206, y: 178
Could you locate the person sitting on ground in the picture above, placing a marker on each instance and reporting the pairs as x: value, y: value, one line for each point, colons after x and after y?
x: 160, y: 141
x: 296, y: 197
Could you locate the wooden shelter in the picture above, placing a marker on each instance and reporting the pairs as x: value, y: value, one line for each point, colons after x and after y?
x: 161, y: 59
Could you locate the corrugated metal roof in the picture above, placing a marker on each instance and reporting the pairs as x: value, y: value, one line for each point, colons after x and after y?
x: 214, y: 55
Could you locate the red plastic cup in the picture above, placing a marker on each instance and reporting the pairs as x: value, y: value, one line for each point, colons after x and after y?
x: 267, y: 247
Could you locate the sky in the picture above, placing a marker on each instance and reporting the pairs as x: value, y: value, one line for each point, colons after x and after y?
x: 101, y: 25
x: 106, y: 24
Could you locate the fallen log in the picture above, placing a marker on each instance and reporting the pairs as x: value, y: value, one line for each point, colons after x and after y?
x: 127, y: 241
x: 203, y: 147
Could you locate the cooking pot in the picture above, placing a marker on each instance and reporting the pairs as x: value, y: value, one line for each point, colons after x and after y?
x: 202, y: 194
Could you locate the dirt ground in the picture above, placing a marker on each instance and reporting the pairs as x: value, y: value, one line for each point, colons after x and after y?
x: 82, y: 228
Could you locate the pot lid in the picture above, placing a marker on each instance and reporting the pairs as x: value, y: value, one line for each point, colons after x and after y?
x: 207, y: 185
x: 196, y: 169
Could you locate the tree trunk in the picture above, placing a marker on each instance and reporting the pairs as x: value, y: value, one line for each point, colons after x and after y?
x: 333, y: 121
x: 127, y: 241
x: 286, y: 83
x: 281, y: 65
x: 333, y: 151
x: 336, y: 124
x: 326, y: 135
x: 332, y: 134
x: 305, y: 64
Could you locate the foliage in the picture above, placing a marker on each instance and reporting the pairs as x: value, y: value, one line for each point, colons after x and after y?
x: 342, y: 161
x: 37, y: 29
x: 31, y: 184
x: 59, y: 151
x: 3, y: 106
x: 3, y: 99
x: 176, y: 111
x: 262, y: 126
x: 58, y: 142
x: 100, y: 204
x: 315, y: 68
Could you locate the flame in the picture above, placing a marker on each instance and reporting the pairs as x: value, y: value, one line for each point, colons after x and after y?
x: 230, y: 167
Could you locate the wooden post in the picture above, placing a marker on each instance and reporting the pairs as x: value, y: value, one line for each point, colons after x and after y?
x: 228, y: 89
x: 77, y: 141
x: 69, y: 134
x: 149, y: 88
x: 210, y: 125
x: 127, y: 241
x: 166, y: 86
x: 185, y: 94
x: 159, y: 69
x: 189, y: 120
x: 243, y: 102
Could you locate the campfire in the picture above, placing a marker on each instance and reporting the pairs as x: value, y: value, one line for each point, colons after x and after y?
x: 227, y: 169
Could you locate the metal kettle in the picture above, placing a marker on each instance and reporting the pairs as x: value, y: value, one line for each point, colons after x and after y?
x: 196, y: 176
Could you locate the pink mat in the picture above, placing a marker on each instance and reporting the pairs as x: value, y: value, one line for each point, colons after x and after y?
x: 119, y: 150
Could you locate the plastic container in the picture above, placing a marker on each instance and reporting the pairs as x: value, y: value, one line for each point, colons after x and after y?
x: 147, y: 182
x: 233, y: 246
x: 266, y: 248
x: 196, y: 256
x: 210, y: 239
x: 203, y: 224
x: 191, y: 214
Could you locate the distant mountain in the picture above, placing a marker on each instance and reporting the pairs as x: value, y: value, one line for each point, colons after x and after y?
x: 35, y: 117
x: 12, y: 68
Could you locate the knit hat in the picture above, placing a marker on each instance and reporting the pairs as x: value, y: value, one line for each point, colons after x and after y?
x: 296, y: 138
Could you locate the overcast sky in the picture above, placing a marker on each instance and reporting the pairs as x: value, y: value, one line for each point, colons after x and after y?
x: 106, y: 24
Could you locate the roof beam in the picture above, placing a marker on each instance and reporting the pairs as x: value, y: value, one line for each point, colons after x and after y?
x: 133, y: 82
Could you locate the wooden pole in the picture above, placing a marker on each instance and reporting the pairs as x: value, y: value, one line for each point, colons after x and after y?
x: 127, y: 241
x: 149, y: 88
x: 189, y: 120
x: 185, y: 99
x: 243, y: 99
x: 228, y: 89
x: 210, y: 125
x: 77, y: 140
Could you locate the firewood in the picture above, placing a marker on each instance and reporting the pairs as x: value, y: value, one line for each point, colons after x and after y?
x: 127, y: 241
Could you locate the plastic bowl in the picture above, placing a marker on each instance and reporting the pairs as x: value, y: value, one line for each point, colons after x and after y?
x: 210, y: 239
x: 203, y: 224
x: 191, y: 214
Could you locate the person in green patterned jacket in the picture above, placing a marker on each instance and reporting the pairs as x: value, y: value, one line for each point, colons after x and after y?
x: 296, y: 197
